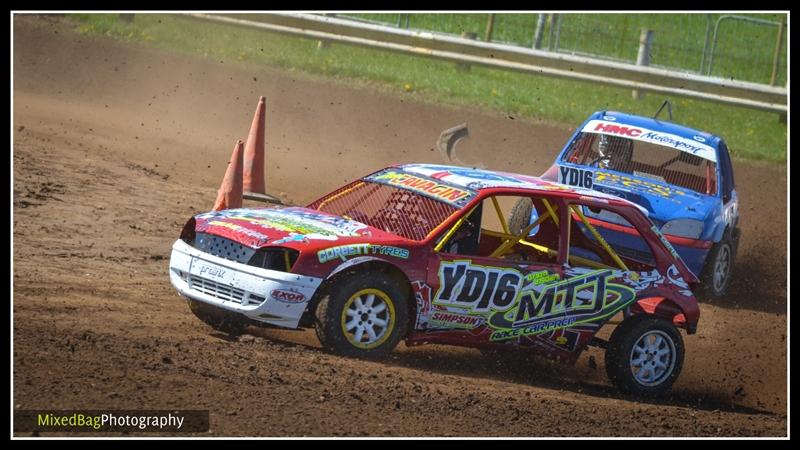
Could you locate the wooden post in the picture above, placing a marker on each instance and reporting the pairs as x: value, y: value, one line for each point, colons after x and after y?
x: 489, y: 28
x: 643, y: 58
x: 776, y: 58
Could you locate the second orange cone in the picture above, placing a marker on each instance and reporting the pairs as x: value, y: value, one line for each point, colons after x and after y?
x: 254, y: 153
x: 229, y: 195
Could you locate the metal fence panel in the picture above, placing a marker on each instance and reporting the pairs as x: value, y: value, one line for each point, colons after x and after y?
x: 743, y: 48
x: 516, y: 58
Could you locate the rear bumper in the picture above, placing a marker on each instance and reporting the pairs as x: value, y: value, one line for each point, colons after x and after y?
x: 277, y: 298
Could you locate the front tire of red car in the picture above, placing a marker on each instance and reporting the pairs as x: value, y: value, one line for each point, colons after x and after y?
x: 644, y: 356
x: 364, y: 316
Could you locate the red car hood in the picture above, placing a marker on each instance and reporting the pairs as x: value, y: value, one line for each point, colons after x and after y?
x: 294, y: 227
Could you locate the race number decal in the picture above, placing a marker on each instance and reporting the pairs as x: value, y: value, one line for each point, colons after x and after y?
x: 575, y: 177
x: 514, y: 304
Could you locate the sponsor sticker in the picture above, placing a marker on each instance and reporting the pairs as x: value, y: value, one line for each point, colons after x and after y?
x: 212, y: 270
x: 240, y: 229
x: 452, y: 320
x: 344, y: 251
x: 542, y: 277
x: 431, y: 188
x: 300, y: 224
x: 287, y: 296
x: 609, y: 178
x: 692, y: 146
x: 517, y: 305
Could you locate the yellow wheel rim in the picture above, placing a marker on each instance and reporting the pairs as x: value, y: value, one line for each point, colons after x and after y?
x: 368, y: 318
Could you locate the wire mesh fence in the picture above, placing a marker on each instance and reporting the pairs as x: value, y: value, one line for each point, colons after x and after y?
x: 746, y: 47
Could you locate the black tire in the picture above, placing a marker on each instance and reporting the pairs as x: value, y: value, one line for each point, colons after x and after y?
x: 520, y: 216
x: 721, y: 258
x: 332, y: 316
x: 218, y: 319
x: 619, y: 356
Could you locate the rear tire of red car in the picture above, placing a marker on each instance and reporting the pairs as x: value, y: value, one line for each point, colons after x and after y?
x: 218, y: 319
x: 364, y: 315
x: 716, y: 276
x: 644, y: 356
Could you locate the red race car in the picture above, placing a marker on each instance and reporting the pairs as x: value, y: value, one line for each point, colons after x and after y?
x: 424, y: 253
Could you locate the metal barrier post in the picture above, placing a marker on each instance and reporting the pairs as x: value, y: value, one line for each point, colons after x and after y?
x: 323, y: 44
x: 539, y: 33
x: 466, y: 67
x: 553, y: 18
x: 709, y: 26
x: 558, y: 31
x: 643, y: 58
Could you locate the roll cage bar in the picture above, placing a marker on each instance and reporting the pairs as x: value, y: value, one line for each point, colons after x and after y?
x: 509, y: 240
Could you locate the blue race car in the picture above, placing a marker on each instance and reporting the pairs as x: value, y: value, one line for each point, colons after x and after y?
x: 681, y: 176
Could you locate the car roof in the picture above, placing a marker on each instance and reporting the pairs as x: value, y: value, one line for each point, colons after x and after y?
x: 475, y: 180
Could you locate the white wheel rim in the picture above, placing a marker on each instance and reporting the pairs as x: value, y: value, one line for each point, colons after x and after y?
x: 368, y: 319
x: 652, y: 358
x: 722, y: 267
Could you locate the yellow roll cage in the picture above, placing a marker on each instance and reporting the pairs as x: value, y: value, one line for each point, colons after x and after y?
x: 510, y: 240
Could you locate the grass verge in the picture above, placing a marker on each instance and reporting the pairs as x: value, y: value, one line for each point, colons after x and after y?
x: 751, y: 135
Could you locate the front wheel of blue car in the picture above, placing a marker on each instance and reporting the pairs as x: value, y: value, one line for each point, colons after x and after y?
x: 364, y: 315
x: 716, y: 276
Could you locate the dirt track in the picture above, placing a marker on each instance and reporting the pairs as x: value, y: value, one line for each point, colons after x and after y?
x: 116, y: 146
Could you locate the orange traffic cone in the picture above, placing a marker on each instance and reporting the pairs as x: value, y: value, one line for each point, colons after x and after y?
x: 254, y: 153
x: 229, y: 195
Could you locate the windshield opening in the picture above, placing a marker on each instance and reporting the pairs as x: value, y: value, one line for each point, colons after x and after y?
x: 388, y: 208
x: 643, y: 159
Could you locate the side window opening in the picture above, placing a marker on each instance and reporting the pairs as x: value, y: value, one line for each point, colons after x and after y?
x: 727, y: 171
x: 507, y: 227
x: 621, y: 237
x: 465, y: 240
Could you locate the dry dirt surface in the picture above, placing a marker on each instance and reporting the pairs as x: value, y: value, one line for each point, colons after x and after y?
x: 116, y: 146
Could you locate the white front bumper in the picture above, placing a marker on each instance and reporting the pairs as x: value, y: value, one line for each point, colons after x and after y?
x: 270, y: 296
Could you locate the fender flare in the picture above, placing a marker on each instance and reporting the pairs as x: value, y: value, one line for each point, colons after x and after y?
x: 719, y: 232
x: 354, y: 262
x: 340, y: 270
x: 666, y: 309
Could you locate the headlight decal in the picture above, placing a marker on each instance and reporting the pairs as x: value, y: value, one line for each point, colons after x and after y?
x: 687, y: 228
